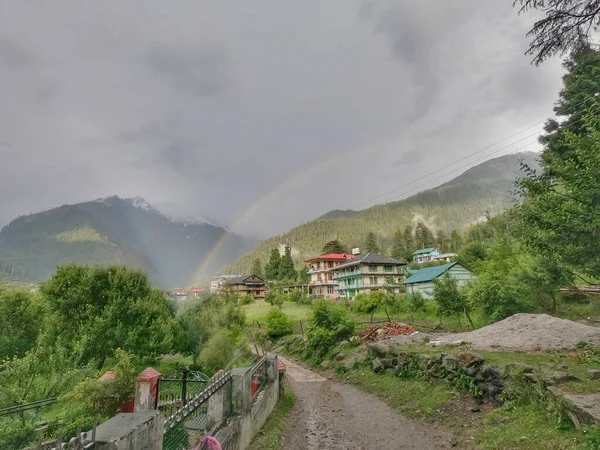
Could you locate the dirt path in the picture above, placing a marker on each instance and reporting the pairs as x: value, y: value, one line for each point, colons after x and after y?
x: 329, y: 415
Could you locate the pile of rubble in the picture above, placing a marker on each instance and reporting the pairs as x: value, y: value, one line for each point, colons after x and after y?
x: 381, y: 331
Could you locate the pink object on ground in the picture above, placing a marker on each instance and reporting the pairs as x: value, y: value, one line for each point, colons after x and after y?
x: 210, y: 443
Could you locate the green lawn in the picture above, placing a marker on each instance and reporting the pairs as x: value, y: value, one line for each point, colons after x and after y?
x: 258, y: 311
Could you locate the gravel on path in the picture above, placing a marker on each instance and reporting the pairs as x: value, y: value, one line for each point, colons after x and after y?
x: 329, y: 415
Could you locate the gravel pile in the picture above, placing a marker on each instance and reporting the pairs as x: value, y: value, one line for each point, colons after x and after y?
x: 531, y: 332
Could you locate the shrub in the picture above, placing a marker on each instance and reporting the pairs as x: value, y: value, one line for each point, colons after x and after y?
x: 247, y: 300
x: 498, y: 297
x: 329, y: 324
x: 278, y: 324
x: 300, y: 298
x: 274, y: 298
x: 217, y: 353
x: 417, y: 302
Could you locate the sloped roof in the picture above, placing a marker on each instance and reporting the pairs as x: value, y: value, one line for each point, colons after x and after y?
x: 370, y: 258
x: 331, y: 257
x: 424, y: 251
x: 428, y: 273
x: 241, y: 279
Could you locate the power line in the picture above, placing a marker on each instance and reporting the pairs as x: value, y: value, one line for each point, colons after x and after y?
x: 469, y: 164
x: 468, y: 156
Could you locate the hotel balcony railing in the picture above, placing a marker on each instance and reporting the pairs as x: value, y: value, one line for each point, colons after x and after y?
x: 364, y: 284
x: 379, y: 272
x: 323, y: 282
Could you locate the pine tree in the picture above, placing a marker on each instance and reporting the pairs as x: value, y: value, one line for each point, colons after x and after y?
x: 257, y: 268
x: 371, y: 244
x: 272, y: 267
x: 455, y: 241
x: 441, y: 241
x: 423, y: 236
x: 399, y: 248
x: 303, y: 276
x: 409, y: 242
x: 286, y: 267
x: 334, y: 246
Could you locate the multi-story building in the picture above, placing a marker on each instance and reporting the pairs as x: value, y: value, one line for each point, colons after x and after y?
x: 367, y: 273
x: 246, y: 285
x: 321, y: 279
x: 216, y: 284
x: 425, y: 255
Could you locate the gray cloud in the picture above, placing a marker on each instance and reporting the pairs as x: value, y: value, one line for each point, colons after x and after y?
x: 257, y: 114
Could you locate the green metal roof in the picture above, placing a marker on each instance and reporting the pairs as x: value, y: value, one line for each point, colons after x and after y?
x: 428, y: 274
x: 423, y: 251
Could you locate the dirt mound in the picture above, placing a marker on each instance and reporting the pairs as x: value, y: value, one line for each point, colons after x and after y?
x: 526, y: 332
x: 381, y: 331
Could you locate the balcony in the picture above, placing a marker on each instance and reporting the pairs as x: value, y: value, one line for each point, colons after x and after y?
x: 366, y: 271
x: 364, y: 284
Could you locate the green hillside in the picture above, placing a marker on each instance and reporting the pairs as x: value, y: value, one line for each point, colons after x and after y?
x: 113, y: 231
x: 455, y: 204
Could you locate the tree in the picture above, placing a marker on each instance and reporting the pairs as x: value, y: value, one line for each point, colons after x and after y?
x: 559, y: 210
x: 472, y: 255
x: 449, y: 299
x: 272, y: 267
x: 544, y: 278
x: 257, y: 268
x: 399, y: 248
x: 409, y: 241
x: 97, y: 310
x: 371, y: 244
x: 423, y: 236
x: 455, y: 241
x: 286, y: 266
x: 334, y: 246
x: 567, y: 26
x: 441, y: 241
x: 303, y: 276
x: 21, y: 318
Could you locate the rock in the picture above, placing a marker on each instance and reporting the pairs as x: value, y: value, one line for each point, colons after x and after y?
x: 594, y: 374
x: 379, y: 349
x: 472, y: 371
x: 387, y: 363
x: 451, y: 377
x: 355, y: 357
x: 468, y: 359
x: 581, y: 409
x: 394, y: 362
x: 423, y: 362
x: 556, y: 377
x: 475, y: 409
x: 340, y: 356
x: 451, y: 364
x: 518, y: 368
x: 377, y: 365
x: 436, y: 371
x: 493, y: 373
x: 397, y: 349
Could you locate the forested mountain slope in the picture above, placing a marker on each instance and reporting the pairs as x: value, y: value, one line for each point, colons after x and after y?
x: 462, y: 201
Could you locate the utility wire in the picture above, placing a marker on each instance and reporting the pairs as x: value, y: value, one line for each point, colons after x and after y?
x: 468, y: 156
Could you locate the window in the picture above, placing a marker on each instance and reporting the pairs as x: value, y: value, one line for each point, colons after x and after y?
x: 389, y: 269
x: 389, y: 280
x: 372, y: 268
x: 373, y: 281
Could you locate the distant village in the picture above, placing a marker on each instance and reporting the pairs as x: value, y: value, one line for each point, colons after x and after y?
x: 345, y: 275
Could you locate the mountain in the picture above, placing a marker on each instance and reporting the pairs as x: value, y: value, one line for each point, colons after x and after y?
x: 485, y: 188
x: 115, y: 230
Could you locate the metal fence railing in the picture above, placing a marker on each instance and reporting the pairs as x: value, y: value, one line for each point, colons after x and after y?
x: 203, y: 412
x: 174, y: 391
x: 258, y: 375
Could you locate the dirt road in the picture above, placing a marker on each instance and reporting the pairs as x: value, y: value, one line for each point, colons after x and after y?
x: 329, y: 415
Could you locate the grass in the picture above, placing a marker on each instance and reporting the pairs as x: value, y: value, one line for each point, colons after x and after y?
x: 414, y: 397
x: 271, y: 434
x: 525, y: 427
x: 258, y: 311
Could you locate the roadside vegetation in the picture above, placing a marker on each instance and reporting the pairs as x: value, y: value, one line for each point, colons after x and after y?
x: 271, y: 435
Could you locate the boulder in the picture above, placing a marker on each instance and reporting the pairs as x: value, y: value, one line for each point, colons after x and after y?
x: 581, y: 409
x: 387, y: 363
x: 472, y: 371
x: 451, y: 364
x: 424, y: 362
x: 518, y: 369
x: 594, y: 374
x: 355, y: 357
x: 493, y: 373
x: 554, y: 377
x: 468, y: 359
x: 436, y: 371
x: 326, y: 364
x: 379, y: 349
x: 377, y: 365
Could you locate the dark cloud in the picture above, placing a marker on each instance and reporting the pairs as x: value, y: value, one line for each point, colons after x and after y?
x: 257, y: 114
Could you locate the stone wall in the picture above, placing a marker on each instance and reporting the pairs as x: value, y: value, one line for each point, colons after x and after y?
x: 131, y: 431
x: 466, y: 369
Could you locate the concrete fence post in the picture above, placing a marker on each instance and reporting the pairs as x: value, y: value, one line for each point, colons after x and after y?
x: 146, y: 389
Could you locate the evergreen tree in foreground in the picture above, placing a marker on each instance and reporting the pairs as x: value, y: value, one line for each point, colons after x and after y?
x: 272, y: 267
x: 371, y: 244
x: 286, y: 267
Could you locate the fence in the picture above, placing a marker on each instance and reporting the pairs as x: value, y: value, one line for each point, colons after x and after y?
x: 258, y: 374
x: 27, y: 407
x: 202, y: 414
x: 81, y: 441
x: 173, y: 392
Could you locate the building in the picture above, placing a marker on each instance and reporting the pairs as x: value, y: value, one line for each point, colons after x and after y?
x: 217, y: 283
x: 321, y: 279
x: 368, y: 273
x: 422, y: 280
x: 448, y: 257
x: 425, y: 255
x: 246, y: 285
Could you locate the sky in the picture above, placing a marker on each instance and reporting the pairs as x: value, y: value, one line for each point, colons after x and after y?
x: 257, y: 115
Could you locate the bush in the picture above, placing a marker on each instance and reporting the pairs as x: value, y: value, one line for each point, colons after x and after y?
x: 300, y: 298
x: 329, y: 324
x: 498, y: 297
x: 217, y: 353
x: 417, y: 302
x: 278, y: 324
x: 274, y: 298
x: 247, y: 300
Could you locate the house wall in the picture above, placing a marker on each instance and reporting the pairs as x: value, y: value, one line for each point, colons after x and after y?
x: 369, y: 278
x: 458, y: 272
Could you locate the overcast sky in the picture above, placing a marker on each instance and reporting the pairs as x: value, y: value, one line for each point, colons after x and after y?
x: 285, y: 109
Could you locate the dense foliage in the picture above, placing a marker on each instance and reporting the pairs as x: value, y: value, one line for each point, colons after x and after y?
x: 329, y: 324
